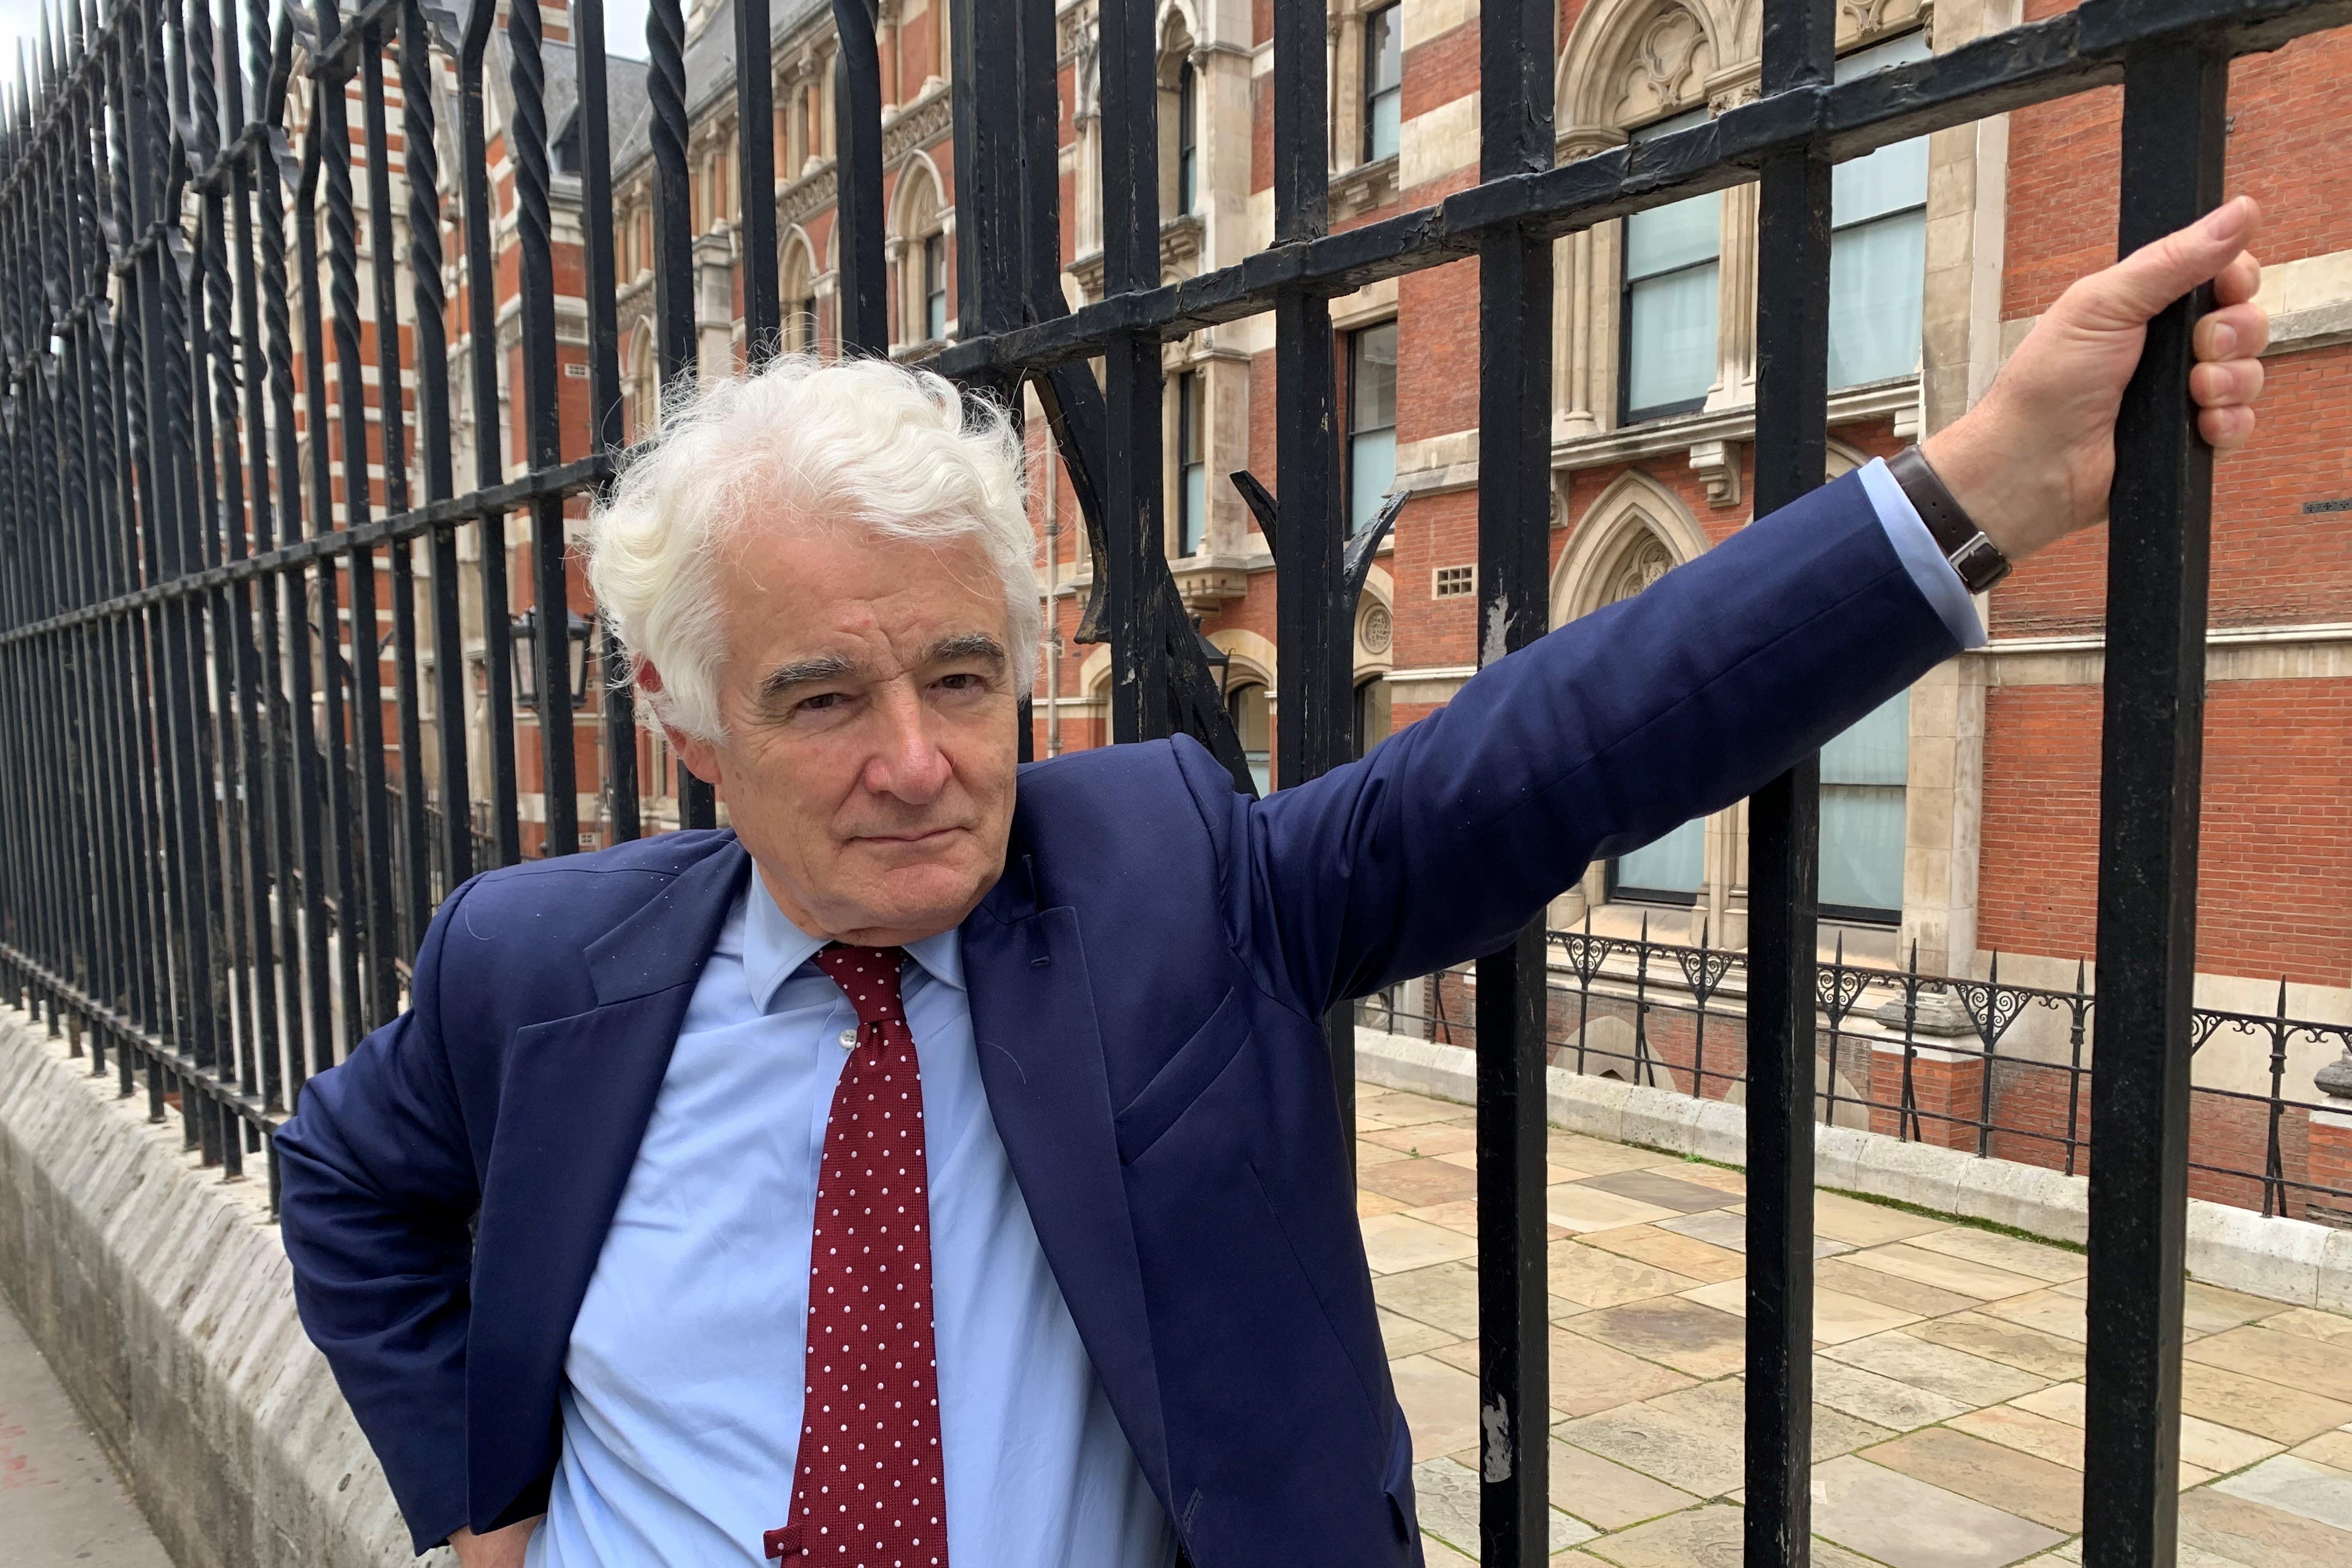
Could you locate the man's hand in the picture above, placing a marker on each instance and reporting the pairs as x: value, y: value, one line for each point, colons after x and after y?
x: 2032, y: 461
x: 499, y: 1549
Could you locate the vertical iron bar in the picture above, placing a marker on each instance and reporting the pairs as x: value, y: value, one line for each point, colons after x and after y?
x: 411, y: 877
x: 543, y: 428
x: 755, y: 164
x: 1515, y: 288
x: 604, y: 430
x: 421, y: 162
x: 1315, y: 732
x: 1784, y: 827
x: 861, y: 298
x: 1133, y: 383
x: 669, y: 134
x: 2175, y: 103
x: 482, y: 364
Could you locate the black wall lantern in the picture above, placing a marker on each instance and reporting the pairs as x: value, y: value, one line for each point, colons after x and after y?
x: 1220, y: 662
x: 524, y: 646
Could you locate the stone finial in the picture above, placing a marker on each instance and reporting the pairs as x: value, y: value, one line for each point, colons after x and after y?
x: 2335, y: 1079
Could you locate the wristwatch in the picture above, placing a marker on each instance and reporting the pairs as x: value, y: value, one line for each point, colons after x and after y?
x: 1976, y: 559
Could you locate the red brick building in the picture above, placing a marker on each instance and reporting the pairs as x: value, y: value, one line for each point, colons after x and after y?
x: 1960, y: 820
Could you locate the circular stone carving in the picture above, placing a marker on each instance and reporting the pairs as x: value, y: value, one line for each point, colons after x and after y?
x: 1377, y: 629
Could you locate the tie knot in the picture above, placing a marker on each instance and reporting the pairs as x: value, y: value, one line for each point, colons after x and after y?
x: 868, y: 976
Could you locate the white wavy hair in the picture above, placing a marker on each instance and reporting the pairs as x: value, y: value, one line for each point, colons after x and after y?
x: 860, y: 443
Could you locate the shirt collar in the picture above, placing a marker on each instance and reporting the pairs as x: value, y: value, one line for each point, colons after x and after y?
x: 775, y: 947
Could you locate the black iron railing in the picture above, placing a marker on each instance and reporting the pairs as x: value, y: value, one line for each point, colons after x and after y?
x: 1988, y: 1065
x: 181, y: 502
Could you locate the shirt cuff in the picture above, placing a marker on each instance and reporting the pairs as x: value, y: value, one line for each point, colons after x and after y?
x: 1921, y: 555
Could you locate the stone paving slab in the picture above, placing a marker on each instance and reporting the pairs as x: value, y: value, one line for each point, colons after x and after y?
x: 61, y: 1504
x: 1948, y: 1373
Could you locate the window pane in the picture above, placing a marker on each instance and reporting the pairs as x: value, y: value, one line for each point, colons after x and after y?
x: 1675, y: 863
x: 1877, y: 278
x: 1371, y: 375
x: 1383, y: 75
x: 1372, y: 469
x: 1875, y: 751
x: 1862, y: 774
x: 1384, y: 50
x: 1886, y: 181
x: 1861, y: 847
x: 1670, y: 339
x: 1247, y: 704
x: 1382, y: 125
x: 1672, y: 236
x: 1372, y: 716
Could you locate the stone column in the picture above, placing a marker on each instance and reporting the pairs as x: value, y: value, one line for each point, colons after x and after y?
x: 1947, y: 1074
x: 2331, y: 1147
x: 1579, y: 296
x: 1943, y: 814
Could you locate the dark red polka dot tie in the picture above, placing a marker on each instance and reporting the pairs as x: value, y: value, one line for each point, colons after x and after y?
x: 868, y: 1488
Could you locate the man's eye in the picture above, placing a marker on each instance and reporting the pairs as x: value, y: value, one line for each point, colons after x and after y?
x: 820, y: 702
x: 963, y: 682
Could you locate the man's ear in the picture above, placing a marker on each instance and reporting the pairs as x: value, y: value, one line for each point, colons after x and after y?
x: 700, y: 757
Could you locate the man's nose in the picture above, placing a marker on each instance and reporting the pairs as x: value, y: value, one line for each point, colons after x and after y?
x: 906, y: 761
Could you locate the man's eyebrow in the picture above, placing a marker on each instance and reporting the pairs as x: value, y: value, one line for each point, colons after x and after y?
x: 803, y: 672
x: 967, y: 646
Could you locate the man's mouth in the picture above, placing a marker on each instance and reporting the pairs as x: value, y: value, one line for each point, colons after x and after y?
x: 927, y: 835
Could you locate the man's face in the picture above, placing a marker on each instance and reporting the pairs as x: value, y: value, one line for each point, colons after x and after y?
x: 866, y: 694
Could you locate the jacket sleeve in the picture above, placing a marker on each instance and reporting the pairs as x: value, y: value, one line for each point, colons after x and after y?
x: 377, y: 1193
x: 1598, y: 738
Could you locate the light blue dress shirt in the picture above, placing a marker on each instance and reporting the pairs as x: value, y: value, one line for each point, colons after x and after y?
x: 682, y: 1405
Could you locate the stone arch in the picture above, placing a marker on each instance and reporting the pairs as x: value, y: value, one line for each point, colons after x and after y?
x: 799, y: 272
x: 1635, y: 514
x: 1630, y: 61
x: 1844, y: 458
x: 1179, y: 26
x: 1254, y: 658
x: 917, y: 212
x: 1093, y: 673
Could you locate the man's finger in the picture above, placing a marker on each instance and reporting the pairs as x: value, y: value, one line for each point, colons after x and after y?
x: 2238, y: 282
x: 2158, y: 273
x: 2239, y: 332
x: 2226, y: 429
x: 2231, y: 384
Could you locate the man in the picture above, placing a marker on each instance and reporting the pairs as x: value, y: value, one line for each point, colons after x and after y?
x: 936, y: 1167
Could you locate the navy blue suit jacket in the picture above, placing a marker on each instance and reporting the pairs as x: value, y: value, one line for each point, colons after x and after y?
x: 1145, y: 982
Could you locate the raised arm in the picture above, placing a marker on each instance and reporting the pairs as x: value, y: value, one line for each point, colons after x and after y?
x: 1603, y: 735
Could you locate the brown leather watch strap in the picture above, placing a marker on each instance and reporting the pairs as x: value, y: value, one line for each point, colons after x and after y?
x: 1976, y: 559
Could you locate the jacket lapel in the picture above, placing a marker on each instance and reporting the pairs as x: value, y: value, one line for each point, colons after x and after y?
x: 1041, y: 1062
x: 572, y: 1108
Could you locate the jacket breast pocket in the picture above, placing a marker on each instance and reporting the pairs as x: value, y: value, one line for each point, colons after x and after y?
x: 1183, y: 1078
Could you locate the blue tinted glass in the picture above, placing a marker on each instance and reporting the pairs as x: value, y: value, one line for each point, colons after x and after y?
x: 1670, y: 338
x: 1878, y: 281
x: 1675, y: 863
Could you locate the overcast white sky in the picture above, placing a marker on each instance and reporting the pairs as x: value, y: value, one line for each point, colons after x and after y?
x: 624, y: 28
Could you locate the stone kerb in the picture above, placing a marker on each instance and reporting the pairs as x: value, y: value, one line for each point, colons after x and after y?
x: 2289, y: 1260
x: 163, y: 1298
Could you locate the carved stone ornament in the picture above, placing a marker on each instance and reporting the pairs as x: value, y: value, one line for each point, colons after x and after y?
x: 920, y: 125
x: 811, y: 193
x: 1717, y: 463
x: 1666, y: 68
x: 1377, y: 629
x: 1644, y: 563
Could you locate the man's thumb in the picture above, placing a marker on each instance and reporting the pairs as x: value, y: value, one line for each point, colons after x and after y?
x: 2158, y: 273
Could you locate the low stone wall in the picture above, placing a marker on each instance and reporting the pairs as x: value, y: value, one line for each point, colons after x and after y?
x: 2288, y: 1261
x: 163, y: 1298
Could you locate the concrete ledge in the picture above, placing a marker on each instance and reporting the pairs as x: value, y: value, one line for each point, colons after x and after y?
x: 163, y: 1298
x: 2287, y: 1260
